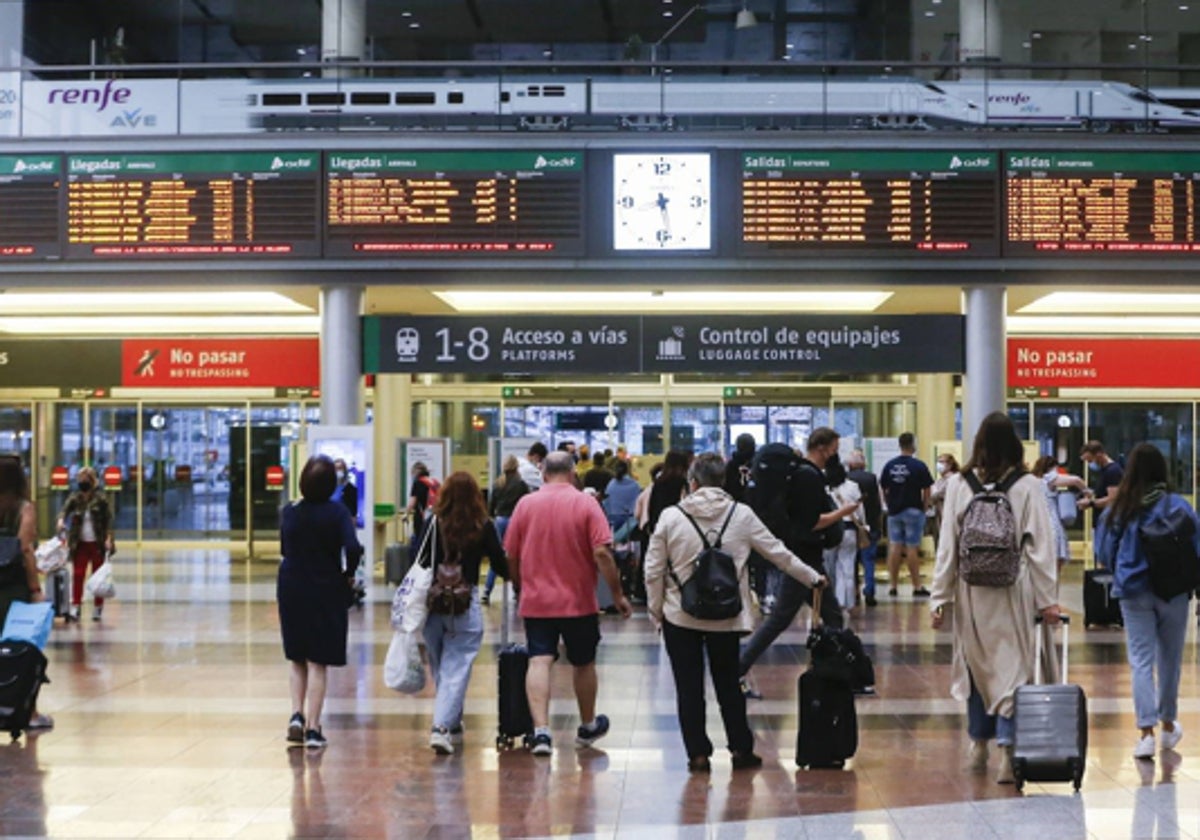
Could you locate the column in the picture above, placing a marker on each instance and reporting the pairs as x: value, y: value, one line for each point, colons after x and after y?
x: 343, y: 34
x: 341, y: 356
x: 392, y: 420
x: 12, y: 32
x: 935, y: 412
x: 984, y: 382
x: 978, y: 34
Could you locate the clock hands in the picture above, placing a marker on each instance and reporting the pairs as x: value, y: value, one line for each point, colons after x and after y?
x: 662, y: 201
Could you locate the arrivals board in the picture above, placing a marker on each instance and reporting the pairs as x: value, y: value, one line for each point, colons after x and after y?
x: 1112, y: 202
x: 201, y: 204
x: 869, y: 202
x: 29, y: 214
x: 381, y: 204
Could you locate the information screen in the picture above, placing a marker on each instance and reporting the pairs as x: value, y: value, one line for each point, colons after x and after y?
x: 394, y: 203
x: 869, y: 202
x: 194, y: 205
x: 1111, y: 202
x: 29, y: 214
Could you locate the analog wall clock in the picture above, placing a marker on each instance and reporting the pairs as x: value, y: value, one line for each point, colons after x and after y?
x: 662, y: 202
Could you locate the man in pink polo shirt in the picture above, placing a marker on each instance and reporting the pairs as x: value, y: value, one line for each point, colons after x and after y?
x: 557, y: 543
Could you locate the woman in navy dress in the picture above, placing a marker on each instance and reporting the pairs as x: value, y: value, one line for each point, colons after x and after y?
x: 314, y: 592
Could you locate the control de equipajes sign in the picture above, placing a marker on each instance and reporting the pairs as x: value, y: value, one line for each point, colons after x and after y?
x: 660, y: 344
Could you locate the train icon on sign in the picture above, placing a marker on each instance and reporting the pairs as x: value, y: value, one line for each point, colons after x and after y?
x: 408, y: 344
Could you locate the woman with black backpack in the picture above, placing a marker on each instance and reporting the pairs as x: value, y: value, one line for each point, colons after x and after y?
x: 1149, y: 538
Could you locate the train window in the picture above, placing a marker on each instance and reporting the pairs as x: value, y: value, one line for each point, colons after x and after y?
x: 533, y: 90
x: 327, y: 99
x: 281, y: 99
x: 554, y: 90
x: 404, y: 98
x: 369, y: 98
x: 505, y: 96
x: 455, y: 97
x: 934, y: 87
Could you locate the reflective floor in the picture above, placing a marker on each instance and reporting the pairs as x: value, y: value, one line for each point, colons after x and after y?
x: 171, y: 715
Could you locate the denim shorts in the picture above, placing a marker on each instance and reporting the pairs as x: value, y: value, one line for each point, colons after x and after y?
x: 906, y: 527
x: 580, y: 636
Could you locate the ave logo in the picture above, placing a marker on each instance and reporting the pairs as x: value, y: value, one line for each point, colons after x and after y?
x: 134, y: 119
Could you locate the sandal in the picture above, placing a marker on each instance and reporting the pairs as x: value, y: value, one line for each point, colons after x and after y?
x: 41, y: 722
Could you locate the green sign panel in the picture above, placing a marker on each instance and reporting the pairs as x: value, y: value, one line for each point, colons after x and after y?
x: 458, y: 161
x: 872, y: 161
x: 197, y: 162
x: 25, y: 165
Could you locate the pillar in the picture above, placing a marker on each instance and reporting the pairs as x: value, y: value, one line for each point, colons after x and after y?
x: 12, y: 33
x: 978, y: 35
x: 984, y: 382
x: 935, y: 412
x: 343, y: 34
x: 341, y: 356
x: 392, y: 420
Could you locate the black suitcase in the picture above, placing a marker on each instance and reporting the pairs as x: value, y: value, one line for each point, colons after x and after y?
x: 1100, y: 608
x: 828, y: 723
x: 22, y: 672
x: 58, y: 583
x: 512, y: 663
x: 397, y: 560
x: 1051, y: 737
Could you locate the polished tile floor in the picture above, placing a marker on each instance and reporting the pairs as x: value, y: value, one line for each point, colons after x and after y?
x: 171, y: 714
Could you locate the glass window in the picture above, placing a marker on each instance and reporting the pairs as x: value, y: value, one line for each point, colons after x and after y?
x: 642, y: 429
x: 1121, y: 426
x: 696, y: 428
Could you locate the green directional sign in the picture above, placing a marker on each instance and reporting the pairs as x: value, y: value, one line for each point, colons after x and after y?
x: 457, y: 161
x: 872, y: 161
x: 195, y: 162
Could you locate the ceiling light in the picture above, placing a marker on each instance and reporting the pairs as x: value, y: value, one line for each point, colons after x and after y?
x: 930, y: 14
x: 668, y: 14
x: 414, y: 25
x: 488, y: 300
x: 1109, y: 303
x: 1101, y: 324
x: 745, y: 19
x: 406, y: 14
x: 104, y: 303
x: 162, y: 325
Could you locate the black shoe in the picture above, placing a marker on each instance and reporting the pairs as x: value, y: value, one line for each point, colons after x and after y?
x: 748, y: 691
x: 295, y: 730
x: 484, y: 599
x: 699, y: 764
x: 746, y: 761
x: 314, y: 740
x: 893, y: 592
x: 920, y: 592
x: 870, y: 600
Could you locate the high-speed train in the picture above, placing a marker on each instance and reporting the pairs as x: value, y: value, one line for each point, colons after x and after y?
x: 675, y: 102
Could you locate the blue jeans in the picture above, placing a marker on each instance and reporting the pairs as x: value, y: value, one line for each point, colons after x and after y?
x: 452, y: 643
x: 866, y: 556
x: 1154, y: 633
x: 501, y: 527
x: 984, y: 727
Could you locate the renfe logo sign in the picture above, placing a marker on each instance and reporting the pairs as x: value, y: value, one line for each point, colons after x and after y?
x: 114, y: 107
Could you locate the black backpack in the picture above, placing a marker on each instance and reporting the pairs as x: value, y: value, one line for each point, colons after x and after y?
x: 1167, y: 540
x: 771, y: 471
x: 713, y: 592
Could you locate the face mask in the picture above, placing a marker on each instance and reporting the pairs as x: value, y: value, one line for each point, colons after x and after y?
x: 833, y: 460
x: 1094, y: 467
x: 85, y: 486
x: 341, y: 475
x: 941, y: 467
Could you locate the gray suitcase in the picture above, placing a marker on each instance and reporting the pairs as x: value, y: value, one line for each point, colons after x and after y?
x: 397, y: 560
x: 58, y: 590
x: 1050, y: 743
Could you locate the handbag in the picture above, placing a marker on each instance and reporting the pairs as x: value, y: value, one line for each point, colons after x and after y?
x: 52, y: 555
x: 100, y: 583
x: 864, y: 535
x: 409, y: 604
x: 29, y: 622
x: 1068, y: 509
x: 403, y: 669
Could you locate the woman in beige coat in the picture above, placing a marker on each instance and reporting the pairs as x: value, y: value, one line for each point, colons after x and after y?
x: 689, y: 639
x: 994, y: 626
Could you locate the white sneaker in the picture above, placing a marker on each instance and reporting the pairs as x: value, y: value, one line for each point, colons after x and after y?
x: 439, y: 740
x: 1169, y: 740
x: 1145, y: 747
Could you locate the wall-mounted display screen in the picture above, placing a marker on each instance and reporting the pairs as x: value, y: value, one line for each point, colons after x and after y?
x: 869, y: 202
x: 29, y: 217
x: 382, y: 204
x: 662, y: 201
x: 194, y: 205
x: 1131, y: 202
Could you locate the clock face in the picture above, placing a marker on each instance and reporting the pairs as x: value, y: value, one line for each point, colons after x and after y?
x: 662, y: 202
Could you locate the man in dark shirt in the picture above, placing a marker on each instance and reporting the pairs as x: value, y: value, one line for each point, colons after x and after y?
x: 1106, y: 472
x: 905, y: 482
x: 598, y: 476
x: 737, y: 470
x: 873, y: 511
x: 809, y: 512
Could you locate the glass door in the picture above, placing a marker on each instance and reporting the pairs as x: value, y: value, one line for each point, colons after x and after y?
x: 112, y: 436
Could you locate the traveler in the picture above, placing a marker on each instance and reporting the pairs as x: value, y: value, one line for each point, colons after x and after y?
x: 421, y: 497
x: 1056, y: 483
x: 840, y: 559
x: 905, y: 481
x: 530, y: 466
x: 346, y: 492
x: 1155, y: 626
x: 558, y: 545
x: 599, y: 475
x: 313, y: 591
x: 737, y: 471
x: 86, y: 518
x: 872, y: 508
x: 1107, y: 472
x: 620, y: 496
x: 669, y: 487
x: 507, y: 490
x: 810, y: 509
x: 994, y: 625
x: 19, y: 580
x: 674, y: 544
x: 454, y: 627
x: 946, y: 466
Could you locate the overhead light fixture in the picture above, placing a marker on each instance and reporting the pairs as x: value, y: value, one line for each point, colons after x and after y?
x: 162, y: 325
x: 631, y: 300
x: 745, y: 19
x: 125, y: 303
x: 1051, y: 325
x: 1109, y: 303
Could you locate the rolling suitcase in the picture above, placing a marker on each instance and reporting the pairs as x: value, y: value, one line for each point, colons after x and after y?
x: 512, y: 663
x: 828, y: 721
x: 396, y: 562
x: 22, y: 672
x: 1100, y: 608
x: 1051, y: 737
x: 58, y: 584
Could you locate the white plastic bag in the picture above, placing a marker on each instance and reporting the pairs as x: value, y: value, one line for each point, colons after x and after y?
x: 409, y: 607
x: 403, y: 669
x: 51, y: 555
x: 100, y: 583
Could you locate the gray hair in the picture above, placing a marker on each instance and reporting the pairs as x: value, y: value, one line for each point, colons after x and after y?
x: 857, y: 460
x: 557, y: 463
x: 707, y: 470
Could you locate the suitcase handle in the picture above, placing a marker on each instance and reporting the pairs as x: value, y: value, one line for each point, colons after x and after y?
x: 1038, y: 621
x: 816, y: 606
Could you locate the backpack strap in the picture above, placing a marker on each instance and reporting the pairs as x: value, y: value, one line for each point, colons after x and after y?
x: 972, y: 481
x: 1012, y: 478
x: 703, y: 540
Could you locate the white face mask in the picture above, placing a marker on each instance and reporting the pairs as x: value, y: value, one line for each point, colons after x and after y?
x: 942, y: 467
x: 341, y: 475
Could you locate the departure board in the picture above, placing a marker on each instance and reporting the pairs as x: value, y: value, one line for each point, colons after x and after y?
x: 1111, y: 202
x: 454, y: 203
x: 29, y: 208
x: 194, y: 205
x: 869, y: 202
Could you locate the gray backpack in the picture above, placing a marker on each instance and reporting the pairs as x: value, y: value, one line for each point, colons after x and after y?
x: 989, y: 545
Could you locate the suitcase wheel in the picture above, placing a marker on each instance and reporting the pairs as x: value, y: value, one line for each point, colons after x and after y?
x: 1077, y: 774
x: 1018, y: 768
x: 504, y: 742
